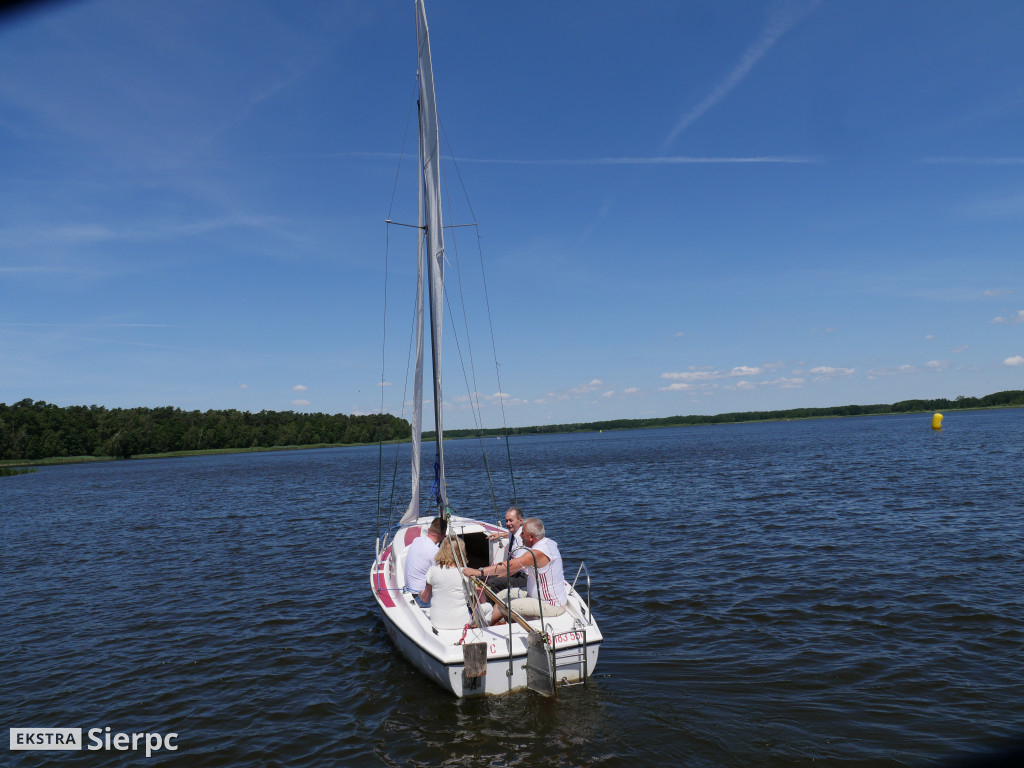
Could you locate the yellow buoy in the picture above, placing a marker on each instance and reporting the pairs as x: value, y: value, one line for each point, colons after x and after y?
x: 937, y: 421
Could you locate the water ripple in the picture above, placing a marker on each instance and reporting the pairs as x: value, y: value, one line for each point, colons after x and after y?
x: 846, y: 592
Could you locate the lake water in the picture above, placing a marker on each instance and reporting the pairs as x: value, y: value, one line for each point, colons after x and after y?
x: 847, y: 592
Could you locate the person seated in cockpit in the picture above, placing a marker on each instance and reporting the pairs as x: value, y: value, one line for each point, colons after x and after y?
x: 420, y: 557
x: 443, y: 589
x: 513, y: 547
x: 545, y: 584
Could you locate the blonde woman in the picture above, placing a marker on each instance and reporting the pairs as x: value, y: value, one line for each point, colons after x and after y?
x: 443, y: 590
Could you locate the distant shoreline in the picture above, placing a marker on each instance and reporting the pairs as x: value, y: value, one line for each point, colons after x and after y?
x: 1007, y: 399
x: 997, y: 400
x: 455, y: 434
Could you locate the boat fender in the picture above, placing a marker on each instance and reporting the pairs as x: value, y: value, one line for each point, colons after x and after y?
x: 474, y: 656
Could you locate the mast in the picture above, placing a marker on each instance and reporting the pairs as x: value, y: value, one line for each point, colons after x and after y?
x: 433, y: 229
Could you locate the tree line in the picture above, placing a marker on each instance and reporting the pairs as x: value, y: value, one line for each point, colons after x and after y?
x: 37, y: 430
x: 1013, y: 397
x: 31, y: 430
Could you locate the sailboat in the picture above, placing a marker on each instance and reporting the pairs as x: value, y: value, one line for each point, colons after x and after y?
x: 541, y: 653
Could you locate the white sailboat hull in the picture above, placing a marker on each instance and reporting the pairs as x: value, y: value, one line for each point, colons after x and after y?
x: 503, y: 658
x: 439, y: 653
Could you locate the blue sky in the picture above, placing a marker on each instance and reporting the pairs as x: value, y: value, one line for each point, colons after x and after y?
x: 684, y: 208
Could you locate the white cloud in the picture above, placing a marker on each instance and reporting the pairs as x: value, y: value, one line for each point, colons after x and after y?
x: 1002, y: 292
x: 631, y: 391
x: 745, y: 370
x: 503, y: 398
x: 565, y: 394
x: 1015, y: 360
x: 299, y: 388
x: 785, y: 383
x: 794, y: 383
x: 301, y: 402
x: 874, y: 373
x: 692, y: 376
x: 1010, y: 319
x: 711, y: 375
x: 705, y: 380
x: 958, y: 350
x: 479, y: 398
x: 930, y: 366
x: 243, y: 386
x: 388, y: 384
x: 827, y: 371
x: 779, y: 383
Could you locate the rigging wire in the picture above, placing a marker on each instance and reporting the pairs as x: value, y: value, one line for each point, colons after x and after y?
x: 384, y: 333
x: 474, y: 391
x: 475, y: 411
x: 490, y: 322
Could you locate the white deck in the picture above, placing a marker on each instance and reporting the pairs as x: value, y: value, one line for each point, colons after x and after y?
x: 439, y: 653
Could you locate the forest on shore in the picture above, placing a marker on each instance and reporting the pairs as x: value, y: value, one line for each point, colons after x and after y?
x: 33, y: 430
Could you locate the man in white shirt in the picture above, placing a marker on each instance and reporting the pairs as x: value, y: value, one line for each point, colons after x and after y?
x: 513, y: 547
x: 420, y: 556
x: 545, y: 584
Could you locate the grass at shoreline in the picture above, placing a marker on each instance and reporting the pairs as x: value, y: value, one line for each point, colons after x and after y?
x: 15, y: 463
x: 11, y: 472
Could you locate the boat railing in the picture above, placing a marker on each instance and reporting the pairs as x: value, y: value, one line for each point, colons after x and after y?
x: 382, y: 541
x: 583, y: 570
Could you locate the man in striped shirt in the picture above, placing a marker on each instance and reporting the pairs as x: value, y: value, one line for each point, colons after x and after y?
x: 545, y: 583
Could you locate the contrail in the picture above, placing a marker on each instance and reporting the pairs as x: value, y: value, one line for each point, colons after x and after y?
x: 973, y: 160
x: 662, y: 160
x: 781, y: 20
x: 657, y: 160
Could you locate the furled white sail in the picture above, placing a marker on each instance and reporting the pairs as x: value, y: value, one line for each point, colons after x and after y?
x: 413, y: 510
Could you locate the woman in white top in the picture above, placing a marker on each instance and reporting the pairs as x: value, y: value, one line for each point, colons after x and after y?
x: 444, y: 592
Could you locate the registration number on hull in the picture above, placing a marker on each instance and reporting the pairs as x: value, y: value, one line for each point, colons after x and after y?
x: 567, y: 637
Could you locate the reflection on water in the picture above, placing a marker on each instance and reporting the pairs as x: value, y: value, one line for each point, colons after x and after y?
x: 845, y: 591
